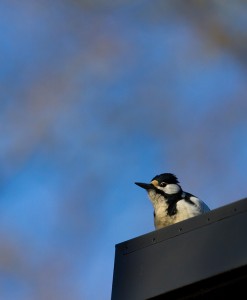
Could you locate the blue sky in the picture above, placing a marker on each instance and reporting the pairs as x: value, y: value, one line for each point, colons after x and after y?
x: 96, y: 96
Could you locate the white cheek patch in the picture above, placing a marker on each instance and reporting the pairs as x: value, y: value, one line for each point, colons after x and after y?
x: 171, y: 189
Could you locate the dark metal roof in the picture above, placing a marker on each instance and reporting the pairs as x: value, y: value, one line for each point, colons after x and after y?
x: 192, y: 257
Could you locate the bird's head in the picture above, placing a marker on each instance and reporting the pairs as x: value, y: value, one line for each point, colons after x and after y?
x: 165, y: 183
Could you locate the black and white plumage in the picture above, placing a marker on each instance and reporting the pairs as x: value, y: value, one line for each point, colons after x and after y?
x: 171, y: 204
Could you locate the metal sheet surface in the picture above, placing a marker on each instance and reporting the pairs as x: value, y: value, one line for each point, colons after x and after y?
x: 181, y: 254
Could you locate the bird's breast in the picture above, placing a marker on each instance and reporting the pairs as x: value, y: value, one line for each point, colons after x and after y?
x: 183, y: 210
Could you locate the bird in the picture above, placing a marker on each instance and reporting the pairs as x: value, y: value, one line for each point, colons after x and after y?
x: 171, y: 204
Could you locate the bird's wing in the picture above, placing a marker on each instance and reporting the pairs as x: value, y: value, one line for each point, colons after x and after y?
x: 198, y: 202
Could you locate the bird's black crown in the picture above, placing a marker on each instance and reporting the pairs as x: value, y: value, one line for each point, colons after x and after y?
x: 166, y: 177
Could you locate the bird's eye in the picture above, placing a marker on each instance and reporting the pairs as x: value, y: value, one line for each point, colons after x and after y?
x: 163, y: 184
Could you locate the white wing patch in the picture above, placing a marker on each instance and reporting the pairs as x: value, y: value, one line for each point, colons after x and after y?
x: 200, y: 204
x: 187, y: 210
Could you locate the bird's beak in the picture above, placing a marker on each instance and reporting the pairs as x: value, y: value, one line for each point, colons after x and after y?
x: 146, y: 186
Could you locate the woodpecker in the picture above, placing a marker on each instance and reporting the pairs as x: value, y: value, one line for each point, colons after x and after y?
x: 171, y: 204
